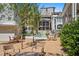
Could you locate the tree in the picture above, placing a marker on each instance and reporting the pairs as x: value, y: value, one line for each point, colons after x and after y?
x: 1, y: 7
x: 28, y: 16
x: 34, y: 18
x: 70, y: 38
x: 22, y: 11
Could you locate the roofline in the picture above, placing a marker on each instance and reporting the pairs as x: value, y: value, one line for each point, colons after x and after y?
x: 47, y: 7
x: 64, y: 7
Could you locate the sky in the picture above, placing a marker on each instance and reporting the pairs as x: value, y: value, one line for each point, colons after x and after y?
x: 58, y: 6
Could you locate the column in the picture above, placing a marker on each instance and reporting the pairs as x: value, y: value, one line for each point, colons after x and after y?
x: 74, y: 11
x: 52, y: 23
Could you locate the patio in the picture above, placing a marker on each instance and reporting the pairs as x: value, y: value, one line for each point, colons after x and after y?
x: 47, y: 48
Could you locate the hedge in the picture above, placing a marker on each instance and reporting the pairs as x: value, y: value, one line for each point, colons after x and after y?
x: 70, y: 38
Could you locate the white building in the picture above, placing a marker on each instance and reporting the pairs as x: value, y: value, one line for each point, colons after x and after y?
x: 7, y: 23
x: 56, y: 22
x: 50, y: 20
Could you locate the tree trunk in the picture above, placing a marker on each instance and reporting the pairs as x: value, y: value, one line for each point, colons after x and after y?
x: 33, y: 37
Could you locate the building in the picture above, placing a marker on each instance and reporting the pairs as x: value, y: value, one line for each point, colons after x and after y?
x: 56, y: 22
x: 50, y: 20
x: 46, y: 14
x: 8, y: 26
x: 70, y: 12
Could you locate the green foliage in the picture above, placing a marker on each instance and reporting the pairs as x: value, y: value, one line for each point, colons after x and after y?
x: 1, y: 6
x: 70, y: 38
x: 34, y: 18
x: 29, y: 15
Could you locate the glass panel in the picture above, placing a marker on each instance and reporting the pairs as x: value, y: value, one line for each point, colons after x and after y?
x: 44, y: 25
x: 47, y: 23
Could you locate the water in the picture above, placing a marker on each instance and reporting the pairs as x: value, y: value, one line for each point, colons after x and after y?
x: 40, y: 35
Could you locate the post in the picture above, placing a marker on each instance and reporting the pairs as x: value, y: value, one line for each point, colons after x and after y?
x: 74, y: 11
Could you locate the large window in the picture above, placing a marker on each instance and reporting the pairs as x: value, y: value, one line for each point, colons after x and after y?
x: 44, y: 25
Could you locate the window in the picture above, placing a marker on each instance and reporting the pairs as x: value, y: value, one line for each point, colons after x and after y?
x: 44, y: 25
x: 47, y: 23
x: 41, y: 28
x: 59, y: 26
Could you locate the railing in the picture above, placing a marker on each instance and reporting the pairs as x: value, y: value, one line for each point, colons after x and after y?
x: 8, y: 22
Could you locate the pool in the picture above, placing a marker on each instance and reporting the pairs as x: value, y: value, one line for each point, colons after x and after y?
x: 39, y: 36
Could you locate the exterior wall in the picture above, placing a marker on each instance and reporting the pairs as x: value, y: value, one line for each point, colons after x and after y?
x: 46, y: 14
x: 47, y: 11
x: 43, y: 11
x: 7, y: 23
x: 77, y: 10
x: 70, y: 12
x: 56, y: 20
x: 5, y: 36
x: 52, y: 24
x: 50, y: 11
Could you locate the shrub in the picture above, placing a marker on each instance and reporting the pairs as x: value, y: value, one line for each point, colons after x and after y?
x: 70, y: 38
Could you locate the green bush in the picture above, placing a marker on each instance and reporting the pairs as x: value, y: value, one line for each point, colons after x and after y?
x: 70, y: 38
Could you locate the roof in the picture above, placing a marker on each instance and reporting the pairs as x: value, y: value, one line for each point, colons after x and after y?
x: 47, y: 7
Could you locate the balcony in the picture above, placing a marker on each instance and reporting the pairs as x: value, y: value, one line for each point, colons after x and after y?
x: 2, y: 22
